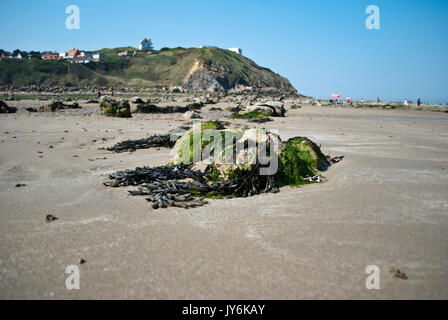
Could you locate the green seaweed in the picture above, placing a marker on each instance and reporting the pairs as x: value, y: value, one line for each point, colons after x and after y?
x: 116, y: 111
x: 250, y: 115
x: 213, y: 174
x: 298, y: 160
x: 202, y: 138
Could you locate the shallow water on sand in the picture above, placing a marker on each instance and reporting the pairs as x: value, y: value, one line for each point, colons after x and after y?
x: 399, y: 118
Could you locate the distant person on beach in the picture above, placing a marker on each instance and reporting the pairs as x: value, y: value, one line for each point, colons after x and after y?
x: 406, y: 103
x: 349, y: 100
x: 378, y: 100
x: 419, y: 102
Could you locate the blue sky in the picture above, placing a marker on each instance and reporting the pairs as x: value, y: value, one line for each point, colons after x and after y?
x: 321, y: 46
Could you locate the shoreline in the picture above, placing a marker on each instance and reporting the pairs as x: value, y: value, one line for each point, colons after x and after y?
x: 385, y: 204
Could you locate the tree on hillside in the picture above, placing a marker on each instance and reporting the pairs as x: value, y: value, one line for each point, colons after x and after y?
x: 35, y: 55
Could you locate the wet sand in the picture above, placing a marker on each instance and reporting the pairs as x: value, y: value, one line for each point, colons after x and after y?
x: 385, y: 204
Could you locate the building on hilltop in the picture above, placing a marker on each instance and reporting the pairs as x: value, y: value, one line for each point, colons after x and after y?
x: 141, y: 53
x: 72, y: 53
x: 145, y: 44
x: 126, y: 53
x: 50, y: 56
x: 237, y: 50
x: 5, y: 56
x: 83, y: 59
x: 98, y: 56
x: 75, y: 53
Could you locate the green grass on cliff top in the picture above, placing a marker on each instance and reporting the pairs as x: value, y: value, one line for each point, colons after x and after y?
x: 163, y: 67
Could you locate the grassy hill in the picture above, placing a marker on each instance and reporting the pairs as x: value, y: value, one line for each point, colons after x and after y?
x: 162, y: 68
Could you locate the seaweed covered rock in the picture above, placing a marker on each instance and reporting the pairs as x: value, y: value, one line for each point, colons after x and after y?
x: 191, y: 115
x: 212, y: 161
x: 113, y: 108
x: 253, y: 115
x: 151, y: 108
x: 4, y: 108
x: 148, y: 108
x: 137, y: 100
x: 300, y: 159
x: 52, y: 106
x: 270, y: 108
x: 58, y: 105
x: 189, y: 148
x: 230, y: 152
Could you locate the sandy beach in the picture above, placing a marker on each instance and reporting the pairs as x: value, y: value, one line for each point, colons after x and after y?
x: 385, y: 204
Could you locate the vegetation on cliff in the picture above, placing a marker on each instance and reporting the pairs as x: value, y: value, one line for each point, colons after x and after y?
x: 194, y: 69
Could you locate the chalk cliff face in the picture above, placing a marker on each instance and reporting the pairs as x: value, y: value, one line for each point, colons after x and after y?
x: 222, y: 70
x: 193, y: 70
x: 202, y: 80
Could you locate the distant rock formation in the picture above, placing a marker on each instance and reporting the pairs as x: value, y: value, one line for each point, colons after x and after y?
x: 4, y: 108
